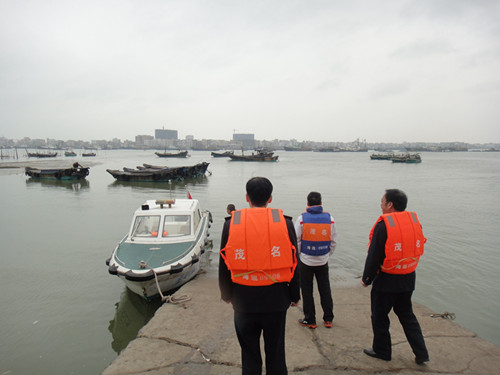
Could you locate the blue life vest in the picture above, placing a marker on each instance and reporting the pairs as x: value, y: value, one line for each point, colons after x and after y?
x: 316, y: 231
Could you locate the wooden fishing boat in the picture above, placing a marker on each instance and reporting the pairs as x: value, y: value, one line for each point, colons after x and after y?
x: 150, y: 173
x: 69, y: 153
x: 76, y: 172
x: 261, y: 155
x: 407, y: 158
x: 222, y: 154
x: 163, y: 248
x: 88, y: 154
x: 295, y: 148
x: 181, y: 154
x: 386, y: 156
x: 41, y: 154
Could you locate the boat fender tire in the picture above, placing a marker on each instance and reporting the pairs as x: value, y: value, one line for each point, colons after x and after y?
x: 132, y: 276
x: 113, y: 270
x: 195, y: 259
x: 176, y: 268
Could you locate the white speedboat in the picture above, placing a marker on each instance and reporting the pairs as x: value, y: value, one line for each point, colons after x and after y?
x: 163, y: 248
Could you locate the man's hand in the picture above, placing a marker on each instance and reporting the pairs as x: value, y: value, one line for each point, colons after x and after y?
x: 294, y: 304
x: 362, y: 283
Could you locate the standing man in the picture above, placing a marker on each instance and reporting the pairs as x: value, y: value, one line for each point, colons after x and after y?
x: 230, y: 208
x: 257, y: 276
x: 396, y: 244
x: 316, y: 239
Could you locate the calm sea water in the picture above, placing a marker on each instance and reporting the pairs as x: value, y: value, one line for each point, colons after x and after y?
x: 62, y: 313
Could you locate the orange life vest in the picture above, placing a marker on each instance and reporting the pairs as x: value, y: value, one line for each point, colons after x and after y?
x: 259, y: 251
x: 405, y: 242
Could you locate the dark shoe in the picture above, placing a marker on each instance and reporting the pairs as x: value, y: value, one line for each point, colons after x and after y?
x: 372, y: 353
x: 421, y: 361
x: 305, y: 323
x: 327, y: 324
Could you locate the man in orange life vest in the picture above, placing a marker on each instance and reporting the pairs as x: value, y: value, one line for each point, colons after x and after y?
x: 257, y: 276
x: 396, y: 244
x: 316, y: 238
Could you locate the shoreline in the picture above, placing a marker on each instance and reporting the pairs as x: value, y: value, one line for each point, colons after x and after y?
x: 197, y: 337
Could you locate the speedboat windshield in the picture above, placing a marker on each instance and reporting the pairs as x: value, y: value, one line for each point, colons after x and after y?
x: 146, y: 226
x: 177, y: 225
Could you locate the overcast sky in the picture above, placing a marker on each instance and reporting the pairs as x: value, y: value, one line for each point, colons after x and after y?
x: 317, y: 70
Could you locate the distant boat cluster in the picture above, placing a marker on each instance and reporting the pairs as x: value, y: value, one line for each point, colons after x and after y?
x: 398, y: 158
x: 152, y: 173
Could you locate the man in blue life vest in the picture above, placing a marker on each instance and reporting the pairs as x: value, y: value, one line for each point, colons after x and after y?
x: 257, y: 276
x: 316, y: 240
x: 396, y: 244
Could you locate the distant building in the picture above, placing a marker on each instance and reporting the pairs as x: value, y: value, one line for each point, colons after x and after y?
x: 247, y: 141
x: 166, y: 134
x: 142, y: 140
x: 166, y: 138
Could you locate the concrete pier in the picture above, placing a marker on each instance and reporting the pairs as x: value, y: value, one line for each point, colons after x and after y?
x: 197, y: 337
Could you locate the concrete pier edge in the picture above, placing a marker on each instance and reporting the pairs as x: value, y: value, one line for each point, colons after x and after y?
x: 197, y: 337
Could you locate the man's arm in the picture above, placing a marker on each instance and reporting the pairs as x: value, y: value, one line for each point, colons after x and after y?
x: 333, y: 242
x: 225, y: 283
x: 376, y: 254
x: 295, y: 282
x: 298, y: 233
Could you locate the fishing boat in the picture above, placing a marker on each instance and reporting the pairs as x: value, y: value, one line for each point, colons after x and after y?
x: 293, y: 148
x: 261, y: 155
x: 88, y: 154
x: 69, y: 153
x: 386, y: 156
x: 151, y: 173
x: 41, y: 154
x: 181, y: 154
x: 407, y: 158
x: 163, y: 248
x: 222, y: 154
x: 76, y: 172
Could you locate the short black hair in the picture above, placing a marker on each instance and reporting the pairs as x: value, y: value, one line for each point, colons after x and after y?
x: 259, y: 190
x: 314, y: 198
x: 231, y: 207
x: 398, y: 198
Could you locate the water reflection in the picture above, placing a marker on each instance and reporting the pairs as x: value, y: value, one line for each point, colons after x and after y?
x: 75, y: 185
x: 132, y: 313
x: 199, y: 181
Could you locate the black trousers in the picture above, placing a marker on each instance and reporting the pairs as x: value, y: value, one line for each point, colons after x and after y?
x: 307, y: 274
x: 249, y: 328
x: 381, y: 305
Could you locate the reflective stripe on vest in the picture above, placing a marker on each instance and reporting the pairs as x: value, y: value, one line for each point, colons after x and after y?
x: 258, y: 251
x: 316, y: 233
x: 405, y: 242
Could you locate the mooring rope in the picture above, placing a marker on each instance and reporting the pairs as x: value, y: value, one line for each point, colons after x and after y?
x: 445, y: 315
x: 168, y: 299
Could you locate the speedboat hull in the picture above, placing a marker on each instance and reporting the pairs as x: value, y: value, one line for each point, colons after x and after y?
x: 151, y: 266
